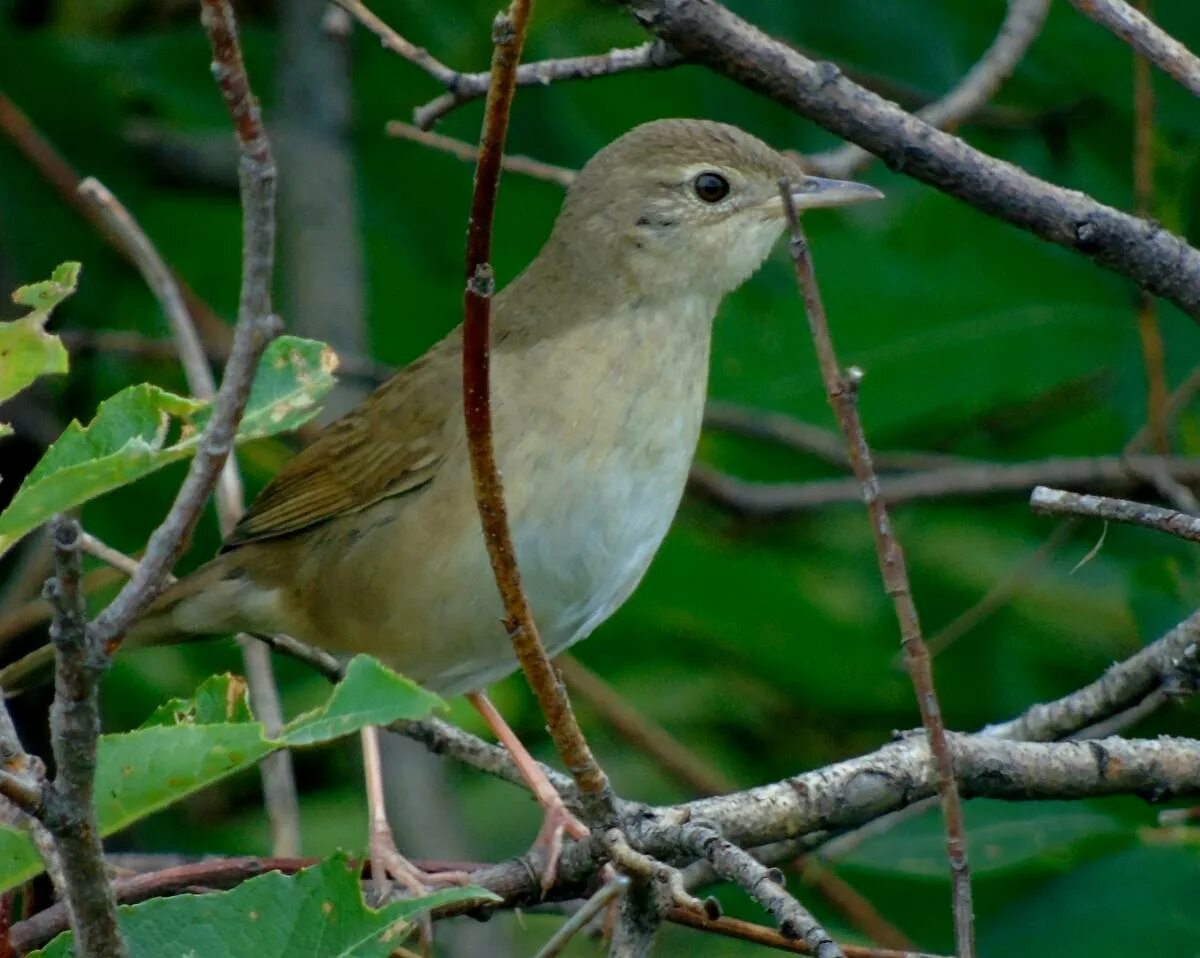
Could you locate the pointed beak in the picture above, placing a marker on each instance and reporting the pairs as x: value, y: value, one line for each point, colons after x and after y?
x: 813, y: 192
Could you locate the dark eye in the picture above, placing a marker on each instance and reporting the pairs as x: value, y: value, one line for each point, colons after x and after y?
x: 712, y: 187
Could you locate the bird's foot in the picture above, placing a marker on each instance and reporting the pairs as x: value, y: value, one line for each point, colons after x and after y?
x: 389, y: 868
x: 556, y: 822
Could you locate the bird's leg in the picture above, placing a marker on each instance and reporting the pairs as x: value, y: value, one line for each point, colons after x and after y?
x: 557, y: 818
x: 387, y: 864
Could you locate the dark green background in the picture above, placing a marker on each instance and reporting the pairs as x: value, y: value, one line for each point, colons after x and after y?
x: 767, y: 647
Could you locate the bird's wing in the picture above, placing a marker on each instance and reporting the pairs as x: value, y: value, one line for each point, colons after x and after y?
x: 390, y: 444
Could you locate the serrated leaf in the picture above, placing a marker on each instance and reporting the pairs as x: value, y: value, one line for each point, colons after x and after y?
x: 186, y: 745
x: 27, y: 351
x: 370, y: 694
x: 143, y: 428
x: 316, y: 913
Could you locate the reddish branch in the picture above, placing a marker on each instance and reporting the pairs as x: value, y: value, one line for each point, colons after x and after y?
x: 842, y: 391
x: 509, y: 37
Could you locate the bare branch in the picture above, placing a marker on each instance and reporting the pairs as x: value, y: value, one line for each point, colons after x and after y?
x: 470, y: 86
x: 256, y: 326
x: 1021, y: 26
x: 69, y: 811
x: 1058, y: 502
x: 1147, y: 38
x: 841, y: 388
x: 1171, y: 663
x: 469, y: 153
x: 279, y: 787
x: 766, y: 886
x: 710, y: 34
x: 508, y: 35
x: 746, y: 931
x: 970, y: 479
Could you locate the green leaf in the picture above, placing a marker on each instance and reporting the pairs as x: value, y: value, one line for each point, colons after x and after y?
x: 1140, y: 901
x: 370, y: 694
x: 1002, y: 836
x: 316, y: 913
x: 186, y: 745
x: 143, y: 428
x: 27, y: 351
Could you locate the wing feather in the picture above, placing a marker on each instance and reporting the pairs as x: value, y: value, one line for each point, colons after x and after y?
x: 390, y: 444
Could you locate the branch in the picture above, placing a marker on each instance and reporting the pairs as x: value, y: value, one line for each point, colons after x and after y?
x: 465, y: 87
x: 1057, y: 502
x: 279, y: 786
x: 256, y: 326
x: 706, y: 32
x: 1170, y: 664
x: 469, y: 153
x: 508, y: 33
x: 1147, y: 38
x: 1021, y: 26
x: 802, y: 436
x: 69, y: 811
x: 746, y: 931
x: 971, y: 479
x: 842, y: 392
x: 766, y: 886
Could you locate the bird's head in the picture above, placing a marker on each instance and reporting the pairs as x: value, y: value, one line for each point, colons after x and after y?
x: 678, y: 205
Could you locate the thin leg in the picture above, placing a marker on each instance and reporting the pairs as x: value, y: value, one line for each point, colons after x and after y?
x: 387, y: 864
x: 557, y: 818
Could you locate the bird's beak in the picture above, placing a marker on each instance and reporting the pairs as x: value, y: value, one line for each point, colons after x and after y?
x: 813, y: 192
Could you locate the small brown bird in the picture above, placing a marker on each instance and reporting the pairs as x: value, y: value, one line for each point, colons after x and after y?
x: 369, y: 539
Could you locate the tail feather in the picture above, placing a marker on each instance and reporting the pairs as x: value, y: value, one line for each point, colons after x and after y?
x: 201, y: 604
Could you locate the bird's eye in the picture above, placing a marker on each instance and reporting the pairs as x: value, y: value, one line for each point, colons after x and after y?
x: 711, y: 187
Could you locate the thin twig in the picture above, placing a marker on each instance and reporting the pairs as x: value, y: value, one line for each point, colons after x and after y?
x: 469, y: 153
x: 1171, y: 664
x: 842, y: 391
x: 279, y: 786
x: 256, y: 326
x: 470, y: 86
x: 1058, y: 502
x: 1147, y: 38
x: 766, y: 886
x: 805, y: 437
x: 768, y: 499
x: 69, y: 811
x: 770, y: 938
x: 508, y: 33
x: 592, y: 907
x: 1022, y: 25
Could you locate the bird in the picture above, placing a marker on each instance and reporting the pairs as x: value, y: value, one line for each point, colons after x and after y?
x: 369, y: 539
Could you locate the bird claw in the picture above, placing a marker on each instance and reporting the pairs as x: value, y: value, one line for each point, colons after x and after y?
x: 556, y: 822
x: 389, y: 867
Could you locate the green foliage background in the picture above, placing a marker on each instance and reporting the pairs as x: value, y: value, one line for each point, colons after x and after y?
x: 766, y: 647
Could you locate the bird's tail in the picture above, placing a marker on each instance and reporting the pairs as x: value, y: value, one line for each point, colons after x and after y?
x: 197, y: 605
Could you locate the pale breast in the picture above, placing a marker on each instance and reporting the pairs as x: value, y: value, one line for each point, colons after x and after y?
x: 594, y: 436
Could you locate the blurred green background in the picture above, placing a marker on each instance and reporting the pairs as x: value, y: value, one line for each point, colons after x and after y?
x: 768, y: 647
